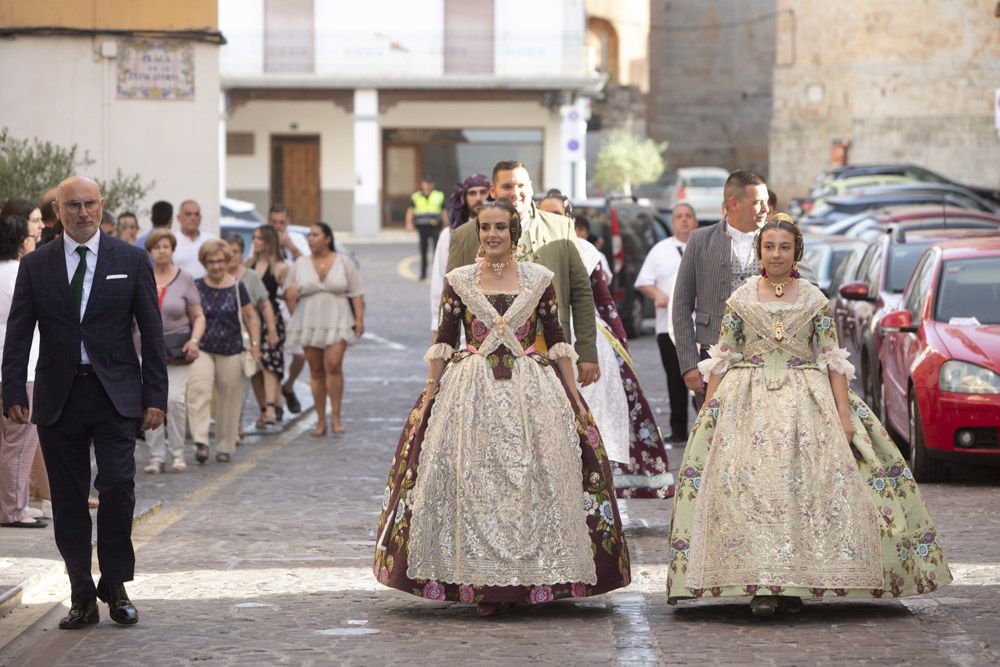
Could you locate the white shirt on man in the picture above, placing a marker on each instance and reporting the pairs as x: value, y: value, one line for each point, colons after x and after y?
x: 301, y: 244
x: 660, y: 270
x: 742, y: 244
x: 186, y: 253
x: 72, y: 262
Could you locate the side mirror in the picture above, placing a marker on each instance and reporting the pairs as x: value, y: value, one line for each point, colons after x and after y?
x: 856, y: 291
x: 898, y: 321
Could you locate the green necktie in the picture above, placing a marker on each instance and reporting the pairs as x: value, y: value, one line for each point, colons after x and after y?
x: 76, y: 285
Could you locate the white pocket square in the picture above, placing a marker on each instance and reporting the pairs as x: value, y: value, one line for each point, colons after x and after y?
x: 117, y: 276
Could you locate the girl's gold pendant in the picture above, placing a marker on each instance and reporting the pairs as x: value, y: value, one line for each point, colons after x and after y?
x: 779, y: 290
x: 778, y: 328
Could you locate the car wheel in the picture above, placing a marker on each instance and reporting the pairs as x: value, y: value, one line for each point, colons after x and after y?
x: 922, y: 465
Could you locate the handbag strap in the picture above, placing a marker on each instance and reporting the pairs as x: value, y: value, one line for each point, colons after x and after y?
x: 239, y: 310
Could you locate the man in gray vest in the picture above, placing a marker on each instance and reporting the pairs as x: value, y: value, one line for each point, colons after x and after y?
x: 716, y: 261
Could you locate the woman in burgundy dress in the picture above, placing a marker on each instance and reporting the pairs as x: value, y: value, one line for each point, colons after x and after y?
x: 500, y: 490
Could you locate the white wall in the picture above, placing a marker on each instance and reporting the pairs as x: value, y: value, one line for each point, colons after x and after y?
x: 242, y: 24
x: 264, y: 118
x: 387, y: 39
x: 403, y: 39
x: 538, y: 39
x: 58, y: 90
x: 336, y: 130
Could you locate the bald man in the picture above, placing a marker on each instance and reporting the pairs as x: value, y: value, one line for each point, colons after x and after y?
x: 84, y: 290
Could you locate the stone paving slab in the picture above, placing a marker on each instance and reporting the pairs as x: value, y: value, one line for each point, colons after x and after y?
x: 29, y: 558
x: 270, y: 564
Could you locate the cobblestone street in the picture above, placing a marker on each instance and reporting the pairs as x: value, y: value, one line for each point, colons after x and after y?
x: 268, y: 561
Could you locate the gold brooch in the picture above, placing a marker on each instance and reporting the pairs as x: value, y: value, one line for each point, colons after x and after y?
x: 778, y: 328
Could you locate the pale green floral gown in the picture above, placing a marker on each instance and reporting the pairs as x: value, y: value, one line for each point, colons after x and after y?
x: 771, y: 498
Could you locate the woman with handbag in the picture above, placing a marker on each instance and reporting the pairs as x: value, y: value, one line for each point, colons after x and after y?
x: 323, y: 291
x: 269, y: 326
x: 183, y: 328
x: 230, y: 353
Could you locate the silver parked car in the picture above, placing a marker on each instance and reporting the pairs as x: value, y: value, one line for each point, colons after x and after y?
x: 702, y: 188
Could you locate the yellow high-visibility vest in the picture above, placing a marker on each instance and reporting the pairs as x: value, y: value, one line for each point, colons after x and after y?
x: 431, y: 204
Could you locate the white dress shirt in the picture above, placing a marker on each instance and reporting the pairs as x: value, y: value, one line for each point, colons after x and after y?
x: 660, y: 270
x: 742, y: 244
x: 186, y: 253
x: 73, y: 261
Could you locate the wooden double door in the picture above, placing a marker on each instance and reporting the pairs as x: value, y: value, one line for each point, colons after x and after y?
x: 295, y: 176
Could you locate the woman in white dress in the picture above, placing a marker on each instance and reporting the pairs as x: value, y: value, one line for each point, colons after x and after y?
x: 323, y: 291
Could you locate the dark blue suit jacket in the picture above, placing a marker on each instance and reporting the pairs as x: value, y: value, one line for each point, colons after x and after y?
x: 42, y: 295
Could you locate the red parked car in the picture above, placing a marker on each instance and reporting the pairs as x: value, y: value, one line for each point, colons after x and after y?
x: 877, y: 288
x: 941, y: 359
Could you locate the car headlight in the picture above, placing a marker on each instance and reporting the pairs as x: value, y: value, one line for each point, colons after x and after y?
x: 961, y: 377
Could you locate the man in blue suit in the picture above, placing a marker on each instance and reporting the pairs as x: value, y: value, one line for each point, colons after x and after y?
x: 84, y: 291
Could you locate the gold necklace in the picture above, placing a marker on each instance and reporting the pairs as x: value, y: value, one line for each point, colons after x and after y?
x: 497, y: 267
x: 779, y: 288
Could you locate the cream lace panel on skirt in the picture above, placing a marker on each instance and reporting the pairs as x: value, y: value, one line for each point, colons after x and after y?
x: 782, y: 502
x: 499, y: 493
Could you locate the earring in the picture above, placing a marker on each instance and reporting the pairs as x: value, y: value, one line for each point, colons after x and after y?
x: 482, y: 250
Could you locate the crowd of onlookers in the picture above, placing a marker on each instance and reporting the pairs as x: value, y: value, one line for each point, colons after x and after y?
x: 233, y: 317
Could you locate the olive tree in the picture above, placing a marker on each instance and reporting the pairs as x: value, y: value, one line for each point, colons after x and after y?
x: 626, y: 159
x: 29, y: 168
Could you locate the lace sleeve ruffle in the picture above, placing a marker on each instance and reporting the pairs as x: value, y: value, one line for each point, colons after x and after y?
x: 720, y: 358
x: 560, y: 350
x: 836, y: 359
x: 439, y: 351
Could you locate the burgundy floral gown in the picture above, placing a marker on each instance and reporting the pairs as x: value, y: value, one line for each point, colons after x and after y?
x: 501, y: 490
x: 631, y: 437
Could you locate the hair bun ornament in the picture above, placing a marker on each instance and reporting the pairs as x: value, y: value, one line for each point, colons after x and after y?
x: 783, y: 217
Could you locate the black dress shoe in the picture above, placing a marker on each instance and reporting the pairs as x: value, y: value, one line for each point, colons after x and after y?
x: 120, y: 607
x: 677, y: 436
x: 80, y: 615
x: 25, y: 524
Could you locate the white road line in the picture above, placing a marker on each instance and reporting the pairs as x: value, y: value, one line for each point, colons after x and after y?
x: 385, y: 342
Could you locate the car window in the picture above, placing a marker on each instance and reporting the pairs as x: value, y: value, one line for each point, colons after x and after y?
x: 704, y: 181
x: 865, y: 270
x: 916, y: 289
x: 838, y: 257
x: 813, y: 256
x: 660, y: 228
x: 969, y: 288
x: 846, y: 271
x: 924, y: 175
x: 902, y: 260
x: 965, y: 201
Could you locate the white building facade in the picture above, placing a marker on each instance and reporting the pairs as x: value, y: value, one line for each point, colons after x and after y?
x: 338, y: 114
x: 134, y: 87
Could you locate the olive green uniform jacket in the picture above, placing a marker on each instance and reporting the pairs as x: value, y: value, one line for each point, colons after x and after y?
x: 549, y: 240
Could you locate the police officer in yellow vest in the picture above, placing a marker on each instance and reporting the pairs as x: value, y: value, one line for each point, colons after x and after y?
x: 424, y: 213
